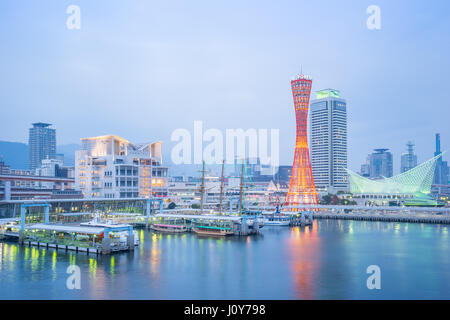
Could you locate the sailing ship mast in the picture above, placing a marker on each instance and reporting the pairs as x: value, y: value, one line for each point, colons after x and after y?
x: 221, y: 189
x: 241, y: 189
x: 202, y: 188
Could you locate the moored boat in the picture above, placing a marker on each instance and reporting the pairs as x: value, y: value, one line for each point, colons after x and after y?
x: 169, y: 228
x: 98, y: 222
x: 212, y: 231
x: 277, y: 221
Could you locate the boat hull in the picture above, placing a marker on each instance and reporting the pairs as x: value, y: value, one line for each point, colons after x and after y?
x: 277, y: 222
x: 212, y: 232
x: 166, y: 229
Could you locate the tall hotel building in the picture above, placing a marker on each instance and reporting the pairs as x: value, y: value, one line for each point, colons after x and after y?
x: 112, y: 167
x: 328, y: 138
x: 41, y: 144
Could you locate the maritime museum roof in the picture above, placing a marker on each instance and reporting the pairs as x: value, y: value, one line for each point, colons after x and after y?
x: 416, y: 180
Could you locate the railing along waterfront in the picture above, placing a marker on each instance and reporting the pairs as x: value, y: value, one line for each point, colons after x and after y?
x: 438, y: 215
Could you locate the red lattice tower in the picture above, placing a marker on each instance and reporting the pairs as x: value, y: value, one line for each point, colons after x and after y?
x: 301, y: 189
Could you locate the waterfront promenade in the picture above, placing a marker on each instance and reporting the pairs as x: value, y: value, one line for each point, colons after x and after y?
x: 405, y: 217
x: 375, y: 213
x: 386, y: 214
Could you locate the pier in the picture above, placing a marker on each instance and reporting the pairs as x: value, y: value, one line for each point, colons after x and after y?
x: 98, y: 240
x: 436, y: 219
x: 434, y: 215
x: 302, y: 218
x: 241, y: 225
x: 60, y: 224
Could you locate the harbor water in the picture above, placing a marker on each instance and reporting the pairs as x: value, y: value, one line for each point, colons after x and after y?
x: 327, y: 260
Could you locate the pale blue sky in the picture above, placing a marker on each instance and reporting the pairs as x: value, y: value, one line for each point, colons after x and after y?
x: 141, y: 69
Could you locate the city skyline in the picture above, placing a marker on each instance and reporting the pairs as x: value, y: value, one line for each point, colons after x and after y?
x: 224, y: 156
x: 124, y: 84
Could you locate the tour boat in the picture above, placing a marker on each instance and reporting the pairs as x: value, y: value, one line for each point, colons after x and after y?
x: 171, y: 228
x: 212, y: 231
x: 277, y: 221
x: 97, y: 222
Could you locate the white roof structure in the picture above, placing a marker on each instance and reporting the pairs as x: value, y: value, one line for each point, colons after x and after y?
x: 75, y: 214
x: 415, y: 180
x: 67, y: 229
x: 8, y: 220
x: 124, y: 214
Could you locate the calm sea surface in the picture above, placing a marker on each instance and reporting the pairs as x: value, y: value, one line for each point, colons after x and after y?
x: 325, y: 261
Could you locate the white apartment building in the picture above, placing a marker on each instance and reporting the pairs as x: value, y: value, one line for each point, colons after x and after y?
x: 111, y: 167
x: 328, y: 141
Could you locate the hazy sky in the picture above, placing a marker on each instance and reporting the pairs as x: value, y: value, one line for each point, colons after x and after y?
x: 141, y: 69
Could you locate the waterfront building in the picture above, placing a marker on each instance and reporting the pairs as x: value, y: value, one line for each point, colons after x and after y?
x: 441, y: 174
x: 410, y: 184
x: 25, y: 185
x: 380, y: 164
x: 54, y: 168
x: 112, y: 167
x: 49, y: 167
x: 41, y: 144
x: 4, y: 169
x: 408, y: 159
x: 258, y: 189
x: 328, y: 141
x: 301, y: 187
x: 176, y: 179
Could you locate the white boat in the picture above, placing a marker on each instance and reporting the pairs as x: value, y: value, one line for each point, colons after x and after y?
x: 97, y: 222
x: 274, y: 220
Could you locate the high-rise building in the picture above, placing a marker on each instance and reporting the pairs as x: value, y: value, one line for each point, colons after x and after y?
x: 408, y: 159
x: 112, y: 167
x: 328, y: 139
x: 441, y: 173
x: 380, y: 164
x: 41, y: 144
x: 365, y: 170
x: 301, y: 188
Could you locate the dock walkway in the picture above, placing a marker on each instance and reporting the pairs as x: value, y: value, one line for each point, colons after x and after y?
x: 435, y: 219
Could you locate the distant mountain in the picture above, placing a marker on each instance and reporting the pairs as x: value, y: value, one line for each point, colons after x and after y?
x: 15, y: 154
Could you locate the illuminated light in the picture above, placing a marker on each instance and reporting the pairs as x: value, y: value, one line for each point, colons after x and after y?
x: 327, y: 93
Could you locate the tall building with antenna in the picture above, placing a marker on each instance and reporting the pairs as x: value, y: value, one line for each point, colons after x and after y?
x: 442, y: 171
x: 301, y: 188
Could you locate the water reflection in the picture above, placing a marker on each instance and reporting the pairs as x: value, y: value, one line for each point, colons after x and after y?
x: 54, y: 260
x: 303, y: 248
x: 327, y: 260
x: 155, y: 255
